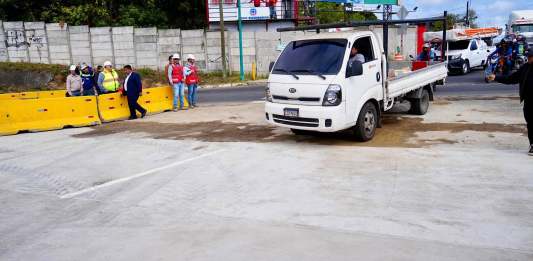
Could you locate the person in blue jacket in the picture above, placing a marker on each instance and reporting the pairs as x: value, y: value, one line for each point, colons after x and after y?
x: 506, y: 51
x: 87, y: 80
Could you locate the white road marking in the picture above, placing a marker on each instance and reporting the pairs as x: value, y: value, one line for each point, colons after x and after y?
x: 142, y: 174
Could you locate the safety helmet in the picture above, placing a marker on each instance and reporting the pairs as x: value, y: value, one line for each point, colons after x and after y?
x: 72, y: 68
x: 426, y: 45
x: 107, y: 63
x: 84, y: 65
x: 191, y: 57
x: 175, y: 56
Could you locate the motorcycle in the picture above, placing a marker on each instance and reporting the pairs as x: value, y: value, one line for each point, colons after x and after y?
x: 493, y: 65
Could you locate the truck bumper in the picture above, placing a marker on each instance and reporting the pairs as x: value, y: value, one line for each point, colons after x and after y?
x: 456, y: 64
x: 313, y: 118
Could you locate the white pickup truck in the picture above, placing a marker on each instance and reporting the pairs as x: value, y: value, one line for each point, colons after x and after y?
x: 463, y: 55
x: 314, y: 86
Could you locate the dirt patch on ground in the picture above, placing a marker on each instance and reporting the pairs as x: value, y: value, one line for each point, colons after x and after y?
x: 396, y: 132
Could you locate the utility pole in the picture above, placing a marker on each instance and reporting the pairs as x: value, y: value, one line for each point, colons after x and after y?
x: 241, y: 62
x: 222, y: 39
x: 467, y: 18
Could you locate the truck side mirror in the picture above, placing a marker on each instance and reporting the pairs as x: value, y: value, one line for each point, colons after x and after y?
x: 270, y: 66
x: 354, y: 68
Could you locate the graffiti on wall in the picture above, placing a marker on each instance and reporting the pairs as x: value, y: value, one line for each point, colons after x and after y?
x: 20, y: 38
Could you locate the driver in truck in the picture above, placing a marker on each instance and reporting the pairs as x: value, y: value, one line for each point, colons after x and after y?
x: 355, y: 55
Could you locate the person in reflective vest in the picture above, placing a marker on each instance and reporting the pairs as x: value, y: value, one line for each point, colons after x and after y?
x: 176, y: 76
x: 191, y: 79
x: 108, y: 79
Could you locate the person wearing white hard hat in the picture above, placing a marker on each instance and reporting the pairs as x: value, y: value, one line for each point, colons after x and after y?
x: 74, y: 85
x: 192, y: 80
x: 87, y: 80
x: 108, y: 79
x: 176, y: 77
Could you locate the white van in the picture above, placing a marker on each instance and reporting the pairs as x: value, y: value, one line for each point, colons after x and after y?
x: 313, y: 85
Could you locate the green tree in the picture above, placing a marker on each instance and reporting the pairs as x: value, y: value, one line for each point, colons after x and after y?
x: 333, y: 13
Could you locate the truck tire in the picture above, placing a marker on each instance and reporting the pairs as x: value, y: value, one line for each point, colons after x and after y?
x: 466, y: 67
x: 420, y: 106
x: 367, y: 122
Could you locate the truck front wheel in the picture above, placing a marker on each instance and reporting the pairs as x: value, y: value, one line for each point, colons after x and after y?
x: 420, y: 106
x: 367, y: 122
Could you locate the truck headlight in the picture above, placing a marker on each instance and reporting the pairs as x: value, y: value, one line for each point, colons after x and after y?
x: 333, y: 95
x: 268, y: 96
x: 454, y: 57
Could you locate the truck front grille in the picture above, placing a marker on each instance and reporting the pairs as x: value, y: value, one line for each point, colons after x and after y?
x: 295, y: 121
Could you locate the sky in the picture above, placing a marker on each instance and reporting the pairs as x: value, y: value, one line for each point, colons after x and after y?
x: 489, y: 12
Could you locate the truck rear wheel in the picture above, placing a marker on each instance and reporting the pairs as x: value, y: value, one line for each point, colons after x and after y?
x: 367, y: 122
x: 420, y: 106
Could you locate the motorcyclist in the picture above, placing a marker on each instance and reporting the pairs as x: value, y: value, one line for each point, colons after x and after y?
x: 427, y: 54
x: 505, y: 51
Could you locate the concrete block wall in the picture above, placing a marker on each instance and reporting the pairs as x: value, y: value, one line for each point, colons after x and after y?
x: 17, y: 49
x: 3, y: 47
x: 169, y: 42
x: 213, y: 51
x: 248, y: 50
x: 146, y: 47
x: 58, y: 43
x: 80, y: 44
x: 101, y: 45
x: 194, y: 42
x: 123, y: 46
x: 37, y: 42
x: 265, y: 46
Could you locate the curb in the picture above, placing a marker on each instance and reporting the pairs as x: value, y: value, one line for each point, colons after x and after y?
x: 237, y: 84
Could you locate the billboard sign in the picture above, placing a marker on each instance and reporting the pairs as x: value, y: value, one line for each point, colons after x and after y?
x: 249, y: 10
x: 365, y: 2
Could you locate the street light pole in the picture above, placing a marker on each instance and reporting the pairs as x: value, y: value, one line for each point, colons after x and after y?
x: 222, y: 39
x: 241, y: 62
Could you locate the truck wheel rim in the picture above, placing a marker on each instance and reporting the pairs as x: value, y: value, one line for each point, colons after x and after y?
x: 465, y: 68
x: 369, y: 122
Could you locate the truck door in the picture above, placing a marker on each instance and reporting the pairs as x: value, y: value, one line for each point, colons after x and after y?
x: 359, y: 88
x: 476, y: 54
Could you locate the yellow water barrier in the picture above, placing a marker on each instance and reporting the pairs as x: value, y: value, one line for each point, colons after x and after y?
x: 33, y: 95
x: 40, y: 111
x: 32, y: 115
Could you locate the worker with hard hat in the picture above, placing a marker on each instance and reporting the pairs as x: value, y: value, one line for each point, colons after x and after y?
x: 176, y: 76
x: 87, y: 80
x: 191, y: 79
x: 108, y: 79
x: 74, y: 85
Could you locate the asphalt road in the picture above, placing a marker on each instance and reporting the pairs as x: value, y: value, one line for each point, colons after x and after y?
x: 472, y: 84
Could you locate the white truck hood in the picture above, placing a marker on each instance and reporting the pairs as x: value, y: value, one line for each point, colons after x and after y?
x: 308, y: 90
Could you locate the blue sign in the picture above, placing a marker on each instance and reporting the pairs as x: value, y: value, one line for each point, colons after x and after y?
x: 253, y: 12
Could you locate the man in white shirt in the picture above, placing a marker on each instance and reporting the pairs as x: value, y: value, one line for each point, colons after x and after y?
x: 355, y: 55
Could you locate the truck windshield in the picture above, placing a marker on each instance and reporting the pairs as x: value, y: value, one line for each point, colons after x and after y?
x: 458, y: 45
x: 525, y: 28
x: 319, y: 57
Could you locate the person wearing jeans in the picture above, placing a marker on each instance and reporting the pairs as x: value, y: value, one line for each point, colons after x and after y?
x: 176, y: 76
x: 191, y: 79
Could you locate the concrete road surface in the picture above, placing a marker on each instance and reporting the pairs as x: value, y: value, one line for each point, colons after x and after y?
x: 217, y: 183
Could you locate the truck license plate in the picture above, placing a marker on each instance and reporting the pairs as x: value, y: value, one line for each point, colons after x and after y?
x: 293, y: 113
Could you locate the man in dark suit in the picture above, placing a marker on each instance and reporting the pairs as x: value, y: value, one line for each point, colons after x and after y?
x: 133, y: 88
